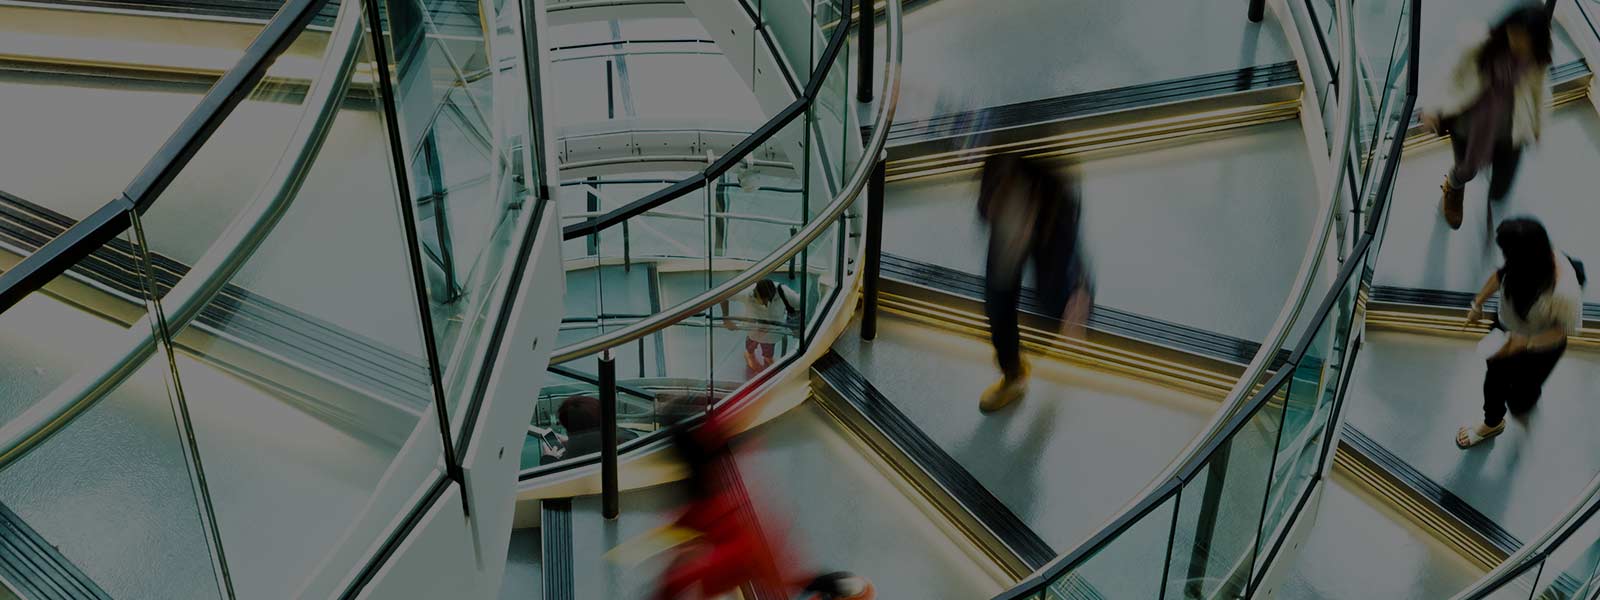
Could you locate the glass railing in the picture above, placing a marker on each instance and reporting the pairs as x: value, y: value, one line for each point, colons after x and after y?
x: 265, y: 351
x: 1562, y: 564
x: 666, y: 286
x: 1213, y: 524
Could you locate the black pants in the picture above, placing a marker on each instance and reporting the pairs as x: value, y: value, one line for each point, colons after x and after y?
x: 1516, y: 382
x: 1502, y: 167
x: 1058, y: 271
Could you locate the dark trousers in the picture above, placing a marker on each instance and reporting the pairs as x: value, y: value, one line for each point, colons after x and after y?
x: 1502, y: 167
x: 1516, y: 382
x: 1058, y: 272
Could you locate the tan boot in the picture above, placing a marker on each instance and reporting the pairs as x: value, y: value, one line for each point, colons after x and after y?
x: 1450, y: 204
x: 1005, y: 391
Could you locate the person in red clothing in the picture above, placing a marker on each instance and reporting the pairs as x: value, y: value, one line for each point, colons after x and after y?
x: 731, y: 549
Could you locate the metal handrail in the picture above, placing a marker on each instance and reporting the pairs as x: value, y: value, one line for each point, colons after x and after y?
x: 825, y: 219
x: 60, y: 254
x: 719, y: 165
x: 1224, y: 421
x: 1539, y: 548
x: 216, y: 267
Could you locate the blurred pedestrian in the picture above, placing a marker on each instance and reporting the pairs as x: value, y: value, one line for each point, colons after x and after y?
x: 1493, y: 105
x: 726, y: 547
x: 1032, y: 211
x: 1541, y: 303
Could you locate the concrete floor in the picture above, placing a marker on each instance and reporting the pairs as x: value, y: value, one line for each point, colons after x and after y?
x: 835, y: 509
x: 1065, y: 458
x: 524, y: 578
x: 1208, y: 234
x: 841, y: 512
x: 966, y: 54
x: 1361, y: 548
x: 596, y: 577
x: 1552, y: 185
x: 1411, y: 392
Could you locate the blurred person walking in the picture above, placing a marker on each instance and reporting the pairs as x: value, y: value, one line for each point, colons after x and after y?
x: 1541, y: 303
x: 721, y: 543
x: 1493, y: 105
x: 1032, y: 211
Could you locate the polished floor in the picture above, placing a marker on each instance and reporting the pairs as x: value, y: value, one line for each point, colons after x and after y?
x: 1065, y: 458
x: 835, y: 508
x: 1554, y: 185
x: 524, y: 576
x: 1362, y: 548
x: 966, y: 54
x: 1208, y: 234
x: 1411, y: 392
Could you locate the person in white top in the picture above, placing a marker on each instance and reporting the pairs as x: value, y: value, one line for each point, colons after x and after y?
x: 1493, y: 104
x: 765, y: 312
x: 1541, y: 303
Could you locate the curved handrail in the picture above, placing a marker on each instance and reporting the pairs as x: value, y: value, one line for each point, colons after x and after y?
x: 819, y: 224
x: 727, y: 161
x: 1225, y: 421
x: 1539, y: 549
x: 94, y: 231
x: 226, y: 255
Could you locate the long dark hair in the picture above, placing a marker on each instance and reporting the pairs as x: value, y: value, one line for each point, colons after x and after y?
x: 1530, y: 268
x: 1531, y: 19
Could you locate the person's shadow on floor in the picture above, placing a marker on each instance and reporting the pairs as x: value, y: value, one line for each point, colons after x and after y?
x: 1016, y: 483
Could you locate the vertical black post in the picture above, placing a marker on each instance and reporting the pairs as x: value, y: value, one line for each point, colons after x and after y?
x: 1206, y: 525
x: 608, y: 436
x: 719, y: 231
x: 592, y: 204
x: 627, y: 251
x: 866, y: 40
x: 869, y: 271
x: 1258, y: 10
x: 611, y: 97
x: 793, y: 231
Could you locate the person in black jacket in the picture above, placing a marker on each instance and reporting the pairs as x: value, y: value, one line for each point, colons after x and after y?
x: 1032, y: 210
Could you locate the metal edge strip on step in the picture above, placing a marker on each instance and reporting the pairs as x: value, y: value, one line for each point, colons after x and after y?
x: 1066, y: 108
x: 1426, y: 502
x: 1569, y: 82
x: 38, y: 569
x: 1097, y: 133
x: 846, y: 394
x: 1442, y: 313
x: 274, y: 327
x: 555, y: 544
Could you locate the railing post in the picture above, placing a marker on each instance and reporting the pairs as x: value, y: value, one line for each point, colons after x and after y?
x: 1258, y: 10
x: 866, y: 40
x: 793, y: 231
x: 608, y: 436
x: 874, y: 249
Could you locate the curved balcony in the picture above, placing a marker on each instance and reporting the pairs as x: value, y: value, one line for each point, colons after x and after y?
x: 654, y: 282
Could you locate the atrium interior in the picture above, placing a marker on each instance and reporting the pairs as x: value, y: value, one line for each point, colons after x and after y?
x: 815, y: 299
